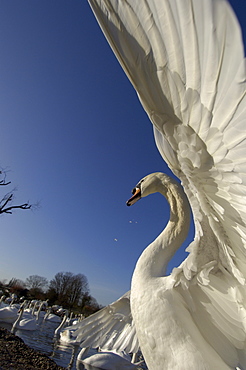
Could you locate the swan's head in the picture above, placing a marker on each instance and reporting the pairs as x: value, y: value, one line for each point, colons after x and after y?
x: 148, y: 185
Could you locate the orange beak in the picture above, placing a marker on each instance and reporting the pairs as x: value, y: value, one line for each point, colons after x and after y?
x: 136, y: 196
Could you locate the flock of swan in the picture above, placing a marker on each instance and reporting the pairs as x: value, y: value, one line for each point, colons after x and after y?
x: 185, y: 59
x: 27, y: 314
x: 30, y: 315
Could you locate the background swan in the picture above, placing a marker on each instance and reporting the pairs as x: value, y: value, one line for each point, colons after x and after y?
x: 186, y: 62
x: 2, y: 303
x: 109, y: 361
x: 49, y: 316
x: 28, y: 322
x: 8, y: 314
x: 62, y: 324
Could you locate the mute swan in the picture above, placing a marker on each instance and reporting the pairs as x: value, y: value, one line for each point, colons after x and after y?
x: 28, y: 318
x: 26, y: 323
x: 40, y: 314
x: 62, y: 324
x: 186, y: 61
x: 108, y: 361
x: 2, y: 303
x: 8, y: 314
x: 66, y: 336
x: 51, y: 316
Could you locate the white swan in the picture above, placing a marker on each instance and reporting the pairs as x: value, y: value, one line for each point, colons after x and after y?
x: 66, y: 336
x: 29, y: 322
x: 8, y: 314
x: 2, y: 303
x: 186, y: 61
x: 28, y: 318
x: 39, y: 313
x: 62, y: 324
x: 106, y: 360
x: 51, y: 316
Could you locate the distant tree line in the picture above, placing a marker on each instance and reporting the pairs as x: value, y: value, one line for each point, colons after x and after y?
x: 66, y: 289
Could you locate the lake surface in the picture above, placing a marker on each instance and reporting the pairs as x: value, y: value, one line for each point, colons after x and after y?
x: 43, y: 340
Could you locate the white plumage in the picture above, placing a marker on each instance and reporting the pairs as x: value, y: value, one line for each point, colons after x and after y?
x: 25, y: 322
x: 109, y: 361
x: 186, y: 61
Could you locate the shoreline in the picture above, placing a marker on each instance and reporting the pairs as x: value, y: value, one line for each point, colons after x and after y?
x: 16, y: 355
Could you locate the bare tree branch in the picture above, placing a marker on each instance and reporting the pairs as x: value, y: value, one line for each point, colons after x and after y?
x: 3, y: 183
x: 5, y: 202
x: 6, y: 199
x: 9, y: 209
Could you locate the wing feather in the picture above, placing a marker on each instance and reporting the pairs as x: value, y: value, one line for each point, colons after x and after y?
x: 109, y: 328
x: 219, y: 302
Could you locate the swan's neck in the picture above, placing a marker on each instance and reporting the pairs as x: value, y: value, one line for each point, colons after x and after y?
x: 17, y: 320
x: 154, y: 259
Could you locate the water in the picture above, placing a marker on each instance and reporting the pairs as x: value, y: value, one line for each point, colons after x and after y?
x: 43, y: 340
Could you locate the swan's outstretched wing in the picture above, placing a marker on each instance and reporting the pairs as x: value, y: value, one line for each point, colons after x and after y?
x: 185, y: 59
x: 109, y: 328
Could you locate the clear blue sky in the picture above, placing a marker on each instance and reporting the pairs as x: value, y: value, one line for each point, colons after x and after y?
x: 75, y: 138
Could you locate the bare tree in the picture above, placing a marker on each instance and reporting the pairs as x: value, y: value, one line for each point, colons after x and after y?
x: 6, y: 205
x: 68, y: 288
x: 14, y: 281
x: 79, y: 286
x: 36, y: 282
x: 16, y: 286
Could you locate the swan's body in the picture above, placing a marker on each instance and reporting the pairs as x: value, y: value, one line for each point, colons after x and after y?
x: 29, y: 324
x: 53, y: 318
x: 106, y: 360
x: 186, y: 61
x: 109, y: 361
x: 66, y: 335
x: 8, y: 314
